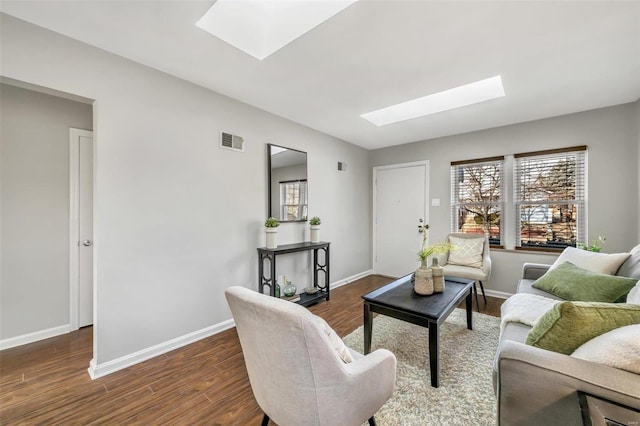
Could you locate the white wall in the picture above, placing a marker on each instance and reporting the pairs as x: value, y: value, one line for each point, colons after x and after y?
x: 177, y: 219
x: 611, y: 136
x: 34, y: 215
x: 638, y: 123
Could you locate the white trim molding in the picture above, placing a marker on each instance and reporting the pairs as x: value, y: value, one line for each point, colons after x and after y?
x: 498, y: 294
x: 74, y: 222
x: 24, y: 339
x: 351, y: 279
x: 99, y: 370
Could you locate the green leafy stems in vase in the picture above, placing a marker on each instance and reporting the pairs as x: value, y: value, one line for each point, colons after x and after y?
x: 595, y: 246
x: 437, y: 248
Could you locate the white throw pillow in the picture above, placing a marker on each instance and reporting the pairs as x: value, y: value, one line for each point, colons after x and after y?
x: 466, y: 251
x: 600, y: 263
x: 619, y: 348
x: 335, y: 340
x: 634, y: 295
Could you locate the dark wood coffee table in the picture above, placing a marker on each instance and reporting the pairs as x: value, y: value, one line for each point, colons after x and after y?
x: 398, y: 300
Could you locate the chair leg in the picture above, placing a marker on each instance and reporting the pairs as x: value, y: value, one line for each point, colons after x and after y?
x: 483, y: 296
x: 475, y: 291
x: 265, y: 420
x: 372, y: 421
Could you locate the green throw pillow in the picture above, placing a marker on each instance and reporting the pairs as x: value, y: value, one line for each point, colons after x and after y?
x: 566, y: 326
x: 574, y: 283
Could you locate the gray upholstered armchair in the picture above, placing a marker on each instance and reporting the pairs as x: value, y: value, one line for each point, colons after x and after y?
x: 296, y: 373
x: 478, y: 273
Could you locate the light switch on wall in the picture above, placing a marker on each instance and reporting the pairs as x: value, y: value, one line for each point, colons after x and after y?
x: 435, y: 202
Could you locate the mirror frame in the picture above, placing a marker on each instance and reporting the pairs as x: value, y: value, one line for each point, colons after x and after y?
x: 269, y: 194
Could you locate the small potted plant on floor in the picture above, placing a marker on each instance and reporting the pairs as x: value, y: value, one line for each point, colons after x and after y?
x: 271, y: 228
x: 314, y: 223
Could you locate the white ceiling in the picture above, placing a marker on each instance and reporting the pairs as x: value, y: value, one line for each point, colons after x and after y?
x: 554, y: 58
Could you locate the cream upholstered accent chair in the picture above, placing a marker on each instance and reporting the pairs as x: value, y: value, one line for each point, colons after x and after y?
x: 471, y: 261
x: 295, y: 367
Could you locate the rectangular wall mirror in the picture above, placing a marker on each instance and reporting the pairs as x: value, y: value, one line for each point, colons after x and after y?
x: 288, y: 191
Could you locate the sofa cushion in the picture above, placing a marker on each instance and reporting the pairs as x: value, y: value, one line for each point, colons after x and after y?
x: 568, y: 325
x: 631, y: 267
x: 601, y: 263
x: 619, y: 348
x: 468, y: 272
x: 571, y: 282
x: 634, y: 295
x: 466, y: 252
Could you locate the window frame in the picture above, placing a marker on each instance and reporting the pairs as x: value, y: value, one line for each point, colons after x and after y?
x: 302, y: 195
x: 456, y: 204
x: 579, y: 200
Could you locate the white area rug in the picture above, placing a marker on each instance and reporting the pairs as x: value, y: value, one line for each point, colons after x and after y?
x: 465, y: 394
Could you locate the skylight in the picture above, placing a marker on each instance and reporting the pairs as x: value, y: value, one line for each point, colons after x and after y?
x: 457, y: 97
x: 262, y: 27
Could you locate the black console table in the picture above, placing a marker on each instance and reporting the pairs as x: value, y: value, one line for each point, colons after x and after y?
x: 270, y: 281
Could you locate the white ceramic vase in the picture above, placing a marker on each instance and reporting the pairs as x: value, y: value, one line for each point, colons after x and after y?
x: 272, y: 237
x: 315, y: 233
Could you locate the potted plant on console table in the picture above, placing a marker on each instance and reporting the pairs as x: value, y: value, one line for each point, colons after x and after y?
x: 271, y: 228
x: 314, y: 223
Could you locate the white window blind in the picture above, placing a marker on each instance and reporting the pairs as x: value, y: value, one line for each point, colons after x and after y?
x: 477, y: 197
x: 549, y: 196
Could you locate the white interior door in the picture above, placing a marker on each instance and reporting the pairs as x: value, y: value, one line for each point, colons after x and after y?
x: 400, y: 197
x: 81, y: 272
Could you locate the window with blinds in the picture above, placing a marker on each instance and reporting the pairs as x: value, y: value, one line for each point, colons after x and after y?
x: 476, y: 197
x: 293, y: 196
x: 549, y: 197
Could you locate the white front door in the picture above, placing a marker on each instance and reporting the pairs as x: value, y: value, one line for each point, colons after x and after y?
x: 81, y: 176
x: 400, y: 194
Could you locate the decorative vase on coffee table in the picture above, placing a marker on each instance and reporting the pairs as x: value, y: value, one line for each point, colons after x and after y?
x: 423, y: 280
x: 438, y: 276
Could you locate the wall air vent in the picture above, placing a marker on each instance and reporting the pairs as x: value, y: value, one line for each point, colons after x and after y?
x: 233, y: 142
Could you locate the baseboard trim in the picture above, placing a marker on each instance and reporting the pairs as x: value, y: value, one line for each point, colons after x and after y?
x: 351, y: 279
x: 100, y: 370
x: 25, y: 339
x: 498, y: 294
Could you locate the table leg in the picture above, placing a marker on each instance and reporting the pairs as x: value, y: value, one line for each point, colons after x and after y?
x: 434, y: 351
x: 274, y: 279
x: 368, y: 325
x: 469, y: 309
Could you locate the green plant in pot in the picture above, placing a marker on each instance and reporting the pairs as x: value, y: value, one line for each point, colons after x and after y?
x: 429, y: 280
x: 440, y: 247
x: 314, y: 223
x: 595, y: 247
x: 271, y: 228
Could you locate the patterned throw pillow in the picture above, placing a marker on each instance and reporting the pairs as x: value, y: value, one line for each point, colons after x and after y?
x: 466, y: 251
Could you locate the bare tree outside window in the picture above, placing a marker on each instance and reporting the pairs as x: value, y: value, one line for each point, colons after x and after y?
x: 549, y: 196
x: 477, y: 198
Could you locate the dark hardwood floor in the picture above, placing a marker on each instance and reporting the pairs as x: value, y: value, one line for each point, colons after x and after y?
x: 203, y: 383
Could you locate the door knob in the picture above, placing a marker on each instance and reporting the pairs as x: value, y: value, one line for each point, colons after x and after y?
x: 87, y: 243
